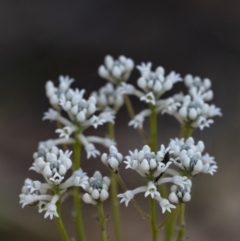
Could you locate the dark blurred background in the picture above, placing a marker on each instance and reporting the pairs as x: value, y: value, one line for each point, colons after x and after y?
x: 42, y: 39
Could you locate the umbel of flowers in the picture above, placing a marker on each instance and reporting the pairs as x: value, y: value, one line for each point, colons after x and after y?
x: 58, y: 160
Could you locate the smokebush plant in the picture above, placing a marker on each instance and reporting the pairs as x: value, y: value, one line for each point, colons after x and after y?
x: 177, y: 163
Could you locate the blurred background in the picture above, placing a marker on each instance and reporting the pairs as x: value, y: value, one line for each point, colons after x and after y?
x: 41, y: 40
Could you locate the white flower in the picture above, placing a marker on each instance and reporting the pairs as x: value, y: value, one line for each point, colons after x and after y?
x: 202, y: 122
x: 109, y: 97
x: 188, y: 157
x: 65, y: 132
x: 138, y: 120
x: 126, y: 89
x: 168, y: 105
x: 126, y: 197
x: 51, y: 114
x: 78, y: 178
x: 151, y: 190
x: 42, y: 206
x: 113, y: 160
x: 91, y: 151
x: 54, y: 93
x: 51, y: 208
x: 166, y: 205
x: 97, y: 189
x: 209, y: 164
x: 191, y: 110
x: 181, y: 194
x: 51, y: 211
x: 155, y: 81
x: 145, y: 68
x: 116, y: 71
x: 147, y: 163
x: 52, y: 163
x: 149, y: 98
x: 65, y: 82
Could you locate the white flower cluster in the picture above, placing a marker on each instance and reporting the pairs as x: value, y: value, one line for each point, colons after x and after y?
x: 181, y: 194
x: 147, y: 163
x: 81, y: 115
x: 109, y: 97
x: 189, y: 158
x: 52, y: 164
x: 96, y: 189
x: 153, y: 83
x: 81, y: 111
x: 113, y: 160
x: 192, y: 109
x: 116, y: 71
x: 54, y: 93
x: 152, y: 166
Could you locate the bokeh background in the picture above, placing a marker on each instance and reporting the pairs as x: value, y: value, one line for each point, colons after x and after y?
x: 42, y: 39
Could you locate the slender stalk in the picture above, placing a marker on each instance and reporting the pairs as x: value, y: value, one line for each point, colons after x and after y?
x: 171, y: 216
x: 102, y: 222
x: 77, y: 151
x: 153, y: 145
x: 153, y: 220
x: 76, y: 195
x: 129, y: 106
x: 115, y: 207
x: 153, y: 128
x: 59, y: 221
x: 62, y: 229
x: 111, y: 131
x: 182, y: 223
x: 185, y: 131
x: 171, y: 224
x: 133, y: 201
x: 132, y: 115
x: 113, y: 193
x: 78, y: 214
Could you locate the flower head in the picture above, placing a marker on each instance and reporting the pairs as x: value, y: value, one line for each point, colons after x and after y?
x: 147, y: 163
x: 52, y: 163
x: 116, y: 71
x: 113, y: 160
x: 97, y: 189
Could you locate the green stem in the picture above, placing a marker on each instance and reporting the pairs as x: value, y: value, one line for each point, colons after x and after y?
x: 182, y: 223
x: 78, y: 214
x: 77, y: 151
x: 168, y: 219
x: 111, y: 131
x: 59, y: 221
x: 113, y: 193
x: 102, y: 222
x: 76, y: 195
x: 153, y: 145
x: 115, y: 207
x: 62, y: 229
x: 129, y: 106
x: 171, y: 224
x: 153, y: 128
x: 185, y: 131
x: 153, y: 220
